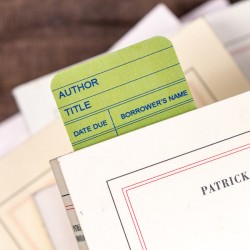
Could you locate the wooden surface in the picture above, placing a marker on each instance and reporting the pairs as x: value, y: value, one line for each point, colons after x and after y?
x: 39, y: 37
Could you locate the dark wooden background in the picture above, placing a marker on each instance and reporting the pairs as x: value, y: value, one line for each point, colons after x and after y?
x: 38, y: 37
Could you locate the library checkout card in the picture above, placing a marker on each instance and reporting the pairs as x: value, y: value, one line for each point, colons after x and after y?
x: 121, y: 91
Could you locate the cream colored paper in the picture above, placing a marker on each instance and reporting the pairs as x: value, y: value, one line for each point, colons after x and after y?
x: 23, y: 172
x: 210, y: 71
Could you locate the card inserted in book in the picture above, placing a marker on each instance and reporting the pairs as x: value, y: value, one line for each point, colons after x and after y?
x: 121, y: 91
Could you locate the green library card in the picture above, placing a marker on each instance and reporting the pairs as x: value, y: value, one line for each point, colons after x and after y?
x: 121, y: 91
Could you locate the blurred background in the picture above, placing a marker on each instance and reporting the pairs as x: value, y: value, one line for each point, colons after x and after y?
x: 39, y: 37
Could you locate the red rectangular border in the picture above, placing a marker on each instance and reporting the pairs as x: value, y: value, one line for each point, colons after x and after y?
x: 165, y: 175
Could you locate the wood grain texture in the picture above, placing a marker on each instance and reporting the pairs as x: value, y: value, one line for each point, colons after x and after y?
x: 39, y: 37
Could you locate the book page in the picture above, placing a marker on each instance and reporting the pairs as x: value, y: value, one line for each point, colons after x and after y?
x: 196, y: 197
x: 151, y: 187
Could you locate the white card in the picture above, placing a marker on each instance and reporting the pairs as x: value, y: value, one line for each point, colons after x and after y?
x: 52, y: 210
x: 36, y: 102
